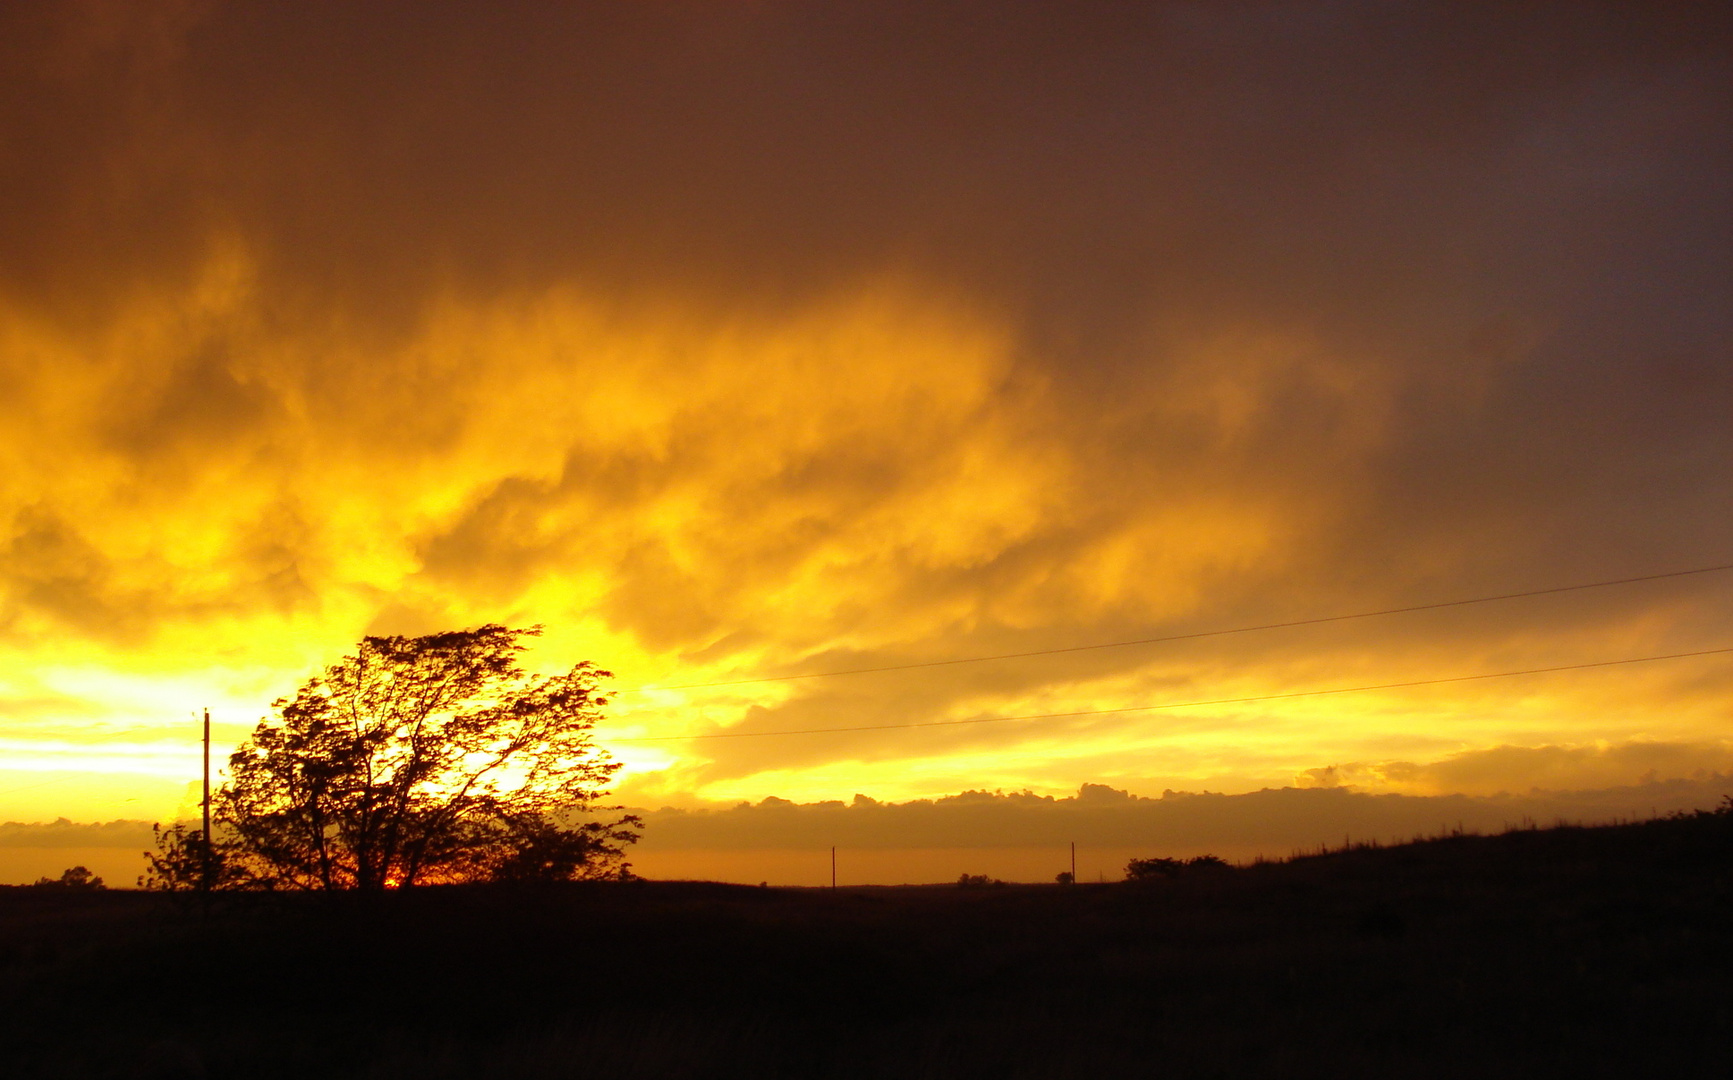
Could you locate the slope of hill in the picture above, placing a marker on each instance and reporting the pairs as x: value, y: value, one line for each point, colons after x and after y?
x: 1592, y: 952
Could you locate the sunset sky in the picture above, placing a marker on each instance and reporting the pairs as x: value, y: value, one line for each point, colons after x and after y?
x: 743, y: 339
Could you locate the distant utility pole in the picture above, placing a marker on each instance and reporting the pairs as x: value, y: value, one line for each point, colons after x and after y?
x: 205, y: 803
x: 833, y: 868
x: 1073, y: 862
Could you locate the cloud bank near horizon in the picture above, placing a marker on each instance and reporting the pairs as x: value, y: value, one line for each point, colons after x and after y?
x: 1269, y: 821
x: 1017, y: 836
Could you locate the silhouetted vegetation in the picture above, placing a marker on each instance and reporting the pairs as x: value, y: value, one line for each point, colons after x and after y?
x: 77, y: 877
x: 181, y: 863
x: 977, y: 881
x: 421, y: 760
x: 1156, y: 869
x: 1598, y: 952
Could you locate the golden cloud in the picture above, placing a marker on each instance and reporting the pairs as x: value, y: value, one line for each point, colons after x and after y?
x: 741, y: 352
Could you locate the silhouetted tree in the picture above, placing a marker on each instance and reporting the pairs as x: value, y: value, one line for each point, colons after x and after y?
x: 76, y: 877
x: 1152, y: 869
x: 432, y: 759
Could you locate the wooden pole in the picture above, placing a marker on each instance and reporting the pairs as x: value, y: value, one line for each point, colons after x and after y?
x: 833, y: 868
x: 205, y: 805
x: 1073, y: 862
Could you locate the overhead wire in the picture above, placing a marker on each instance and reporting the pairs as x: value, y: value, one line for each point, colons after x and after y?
x: 1173, y: 704
x: 33, y: 787
x: 1193, y: 636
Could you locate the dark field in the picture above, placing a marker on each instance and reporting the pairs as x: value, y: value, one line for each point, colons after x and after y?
x: 1563, y: 952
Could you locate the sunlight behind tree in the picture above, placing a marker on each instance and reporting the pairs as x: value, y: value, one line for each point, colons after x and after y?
x: 422, y: 760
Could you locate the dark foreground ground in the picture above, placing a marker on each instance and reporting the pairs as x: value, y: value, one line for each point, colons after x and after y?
x: 1565, y: 952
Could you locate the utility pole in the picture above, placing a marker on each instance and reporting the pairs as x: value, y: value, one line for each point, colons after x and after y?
x: 1073, y: 862
x: 205, y: 803
x: 833, y: 868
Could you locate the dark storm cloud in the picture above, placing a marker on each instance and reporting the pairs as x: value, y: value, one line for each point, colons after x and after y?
x: 1279, y: 309
x: 1097, y: 160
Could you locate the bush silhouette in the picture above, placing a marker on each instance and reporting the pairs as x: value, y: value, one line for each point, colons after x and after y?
x: 1158, y: 869
x: 76, y: 877
x: 183, y: 862
x: 1152, y: 869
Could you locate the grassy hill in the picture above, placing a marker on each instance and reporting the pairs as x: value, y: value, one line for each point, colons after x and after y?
x: 1571, y: 951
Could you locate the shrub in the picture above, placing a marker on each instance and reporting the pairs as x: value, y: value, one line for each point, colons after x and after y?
x: 1152, y: 869
x: 977, y: 881
x: 1157, y: 869
x: 76, y: 877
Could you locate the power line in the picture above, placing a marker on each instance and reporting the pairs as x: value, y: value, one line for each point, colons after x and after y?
x: 32, y: 787
x: 1188, y: 637
x: 1178, y: 704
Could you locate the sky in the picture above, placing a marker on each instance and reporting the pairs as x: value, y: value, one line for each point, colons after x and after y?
x: 743, y: 340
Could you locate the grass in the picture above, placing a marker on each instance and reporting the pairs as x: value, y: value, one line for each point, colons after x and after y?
x: 1580, y: 951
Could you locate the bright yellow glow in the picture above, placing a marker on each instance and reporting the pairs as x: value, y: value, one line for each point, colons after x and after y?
x: 686, y: 497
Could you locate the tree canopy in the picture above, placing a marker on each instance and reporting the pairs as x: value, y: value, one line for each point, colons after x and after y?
x: 420, y: 760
